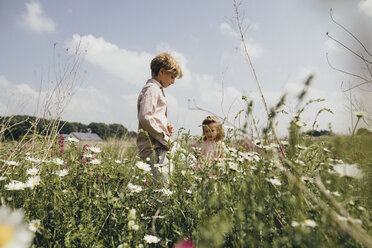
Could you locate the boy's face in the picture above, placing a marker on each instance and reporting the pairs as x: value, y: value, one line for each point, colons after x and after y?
x: 210, y: 131
x: 165, y: 78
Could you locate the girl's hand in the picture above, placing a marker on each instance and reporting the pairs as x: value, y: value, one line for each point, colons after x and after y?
x: 170, y: 129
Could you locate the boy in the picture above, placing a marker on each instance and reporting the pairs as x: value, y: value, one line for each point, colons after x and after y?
x: 152, y: 112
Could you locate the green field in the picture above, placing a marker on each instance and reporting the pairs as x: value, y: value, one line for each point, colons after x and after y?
x: 254, y: 198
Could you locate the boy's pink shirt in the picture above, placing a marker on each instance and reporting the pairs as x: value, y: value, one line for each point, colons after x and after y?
x: 152, y: 117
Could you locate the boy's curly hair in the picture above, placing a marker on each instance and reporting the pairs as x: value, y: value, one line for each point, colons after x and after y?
x: 166, y: 61
x: 214, y: 119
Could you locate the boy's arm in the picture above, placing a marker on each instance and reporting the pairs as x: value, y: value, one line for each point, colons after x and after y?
x: 149, y: 119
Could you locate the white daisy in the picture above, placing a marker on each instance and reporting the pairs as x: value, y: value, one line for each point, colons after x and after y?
x: 13, y: 229
x: 34, y: 225
x: 96, y: 161
x: 32, y: 182
x: 150, y: 239
x: 305, y: 223
x: 32, y: 171
x: 88, y: 156
x: 274, y: 181
x: 58, y: 161
x: 94, y: 149
x: 349, y: 170
x: 143, y: 166
x: 118, y: 161
x: 62, y: 173
x: 33, y: 160
x: 15, y: 185
x: 12, y: 163
x: 134, y: 188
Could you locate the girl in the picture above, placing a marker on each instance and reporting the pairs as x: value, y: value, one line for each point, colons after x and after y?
x: 212, y: 147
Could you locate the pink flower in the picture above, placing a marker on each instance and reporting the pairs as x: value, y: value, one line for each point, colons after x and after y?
x: 186, y: 243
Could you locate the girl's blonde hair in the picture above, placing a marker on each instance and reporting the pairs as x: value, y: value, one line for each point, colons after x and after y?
x: 166, y: 61
x: 214, y: 119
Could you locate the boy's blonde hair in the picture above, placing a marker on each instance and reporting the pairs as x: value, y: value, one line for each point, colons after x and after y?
x: 166, y: 61
x: 214, y: 119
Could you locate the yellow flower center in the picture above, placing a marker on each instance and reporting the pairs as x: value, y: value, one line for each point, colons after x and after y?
x: 36, y: 224
x: 6, y: 235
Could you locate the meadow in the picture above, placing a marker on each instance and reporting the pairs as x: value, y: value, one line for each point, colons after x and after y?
x: 303, y: 192
x: 297, y: 191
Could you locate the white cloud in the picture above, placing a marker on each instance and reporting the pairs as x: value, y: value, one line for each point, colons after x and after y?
x: 365, y: 7
x: 254, y: 49
x: 226, y: 29
x: 90, y: 105
x: 186, y: 80
x: 130, y: 66
x: 34, y: 19
x: 332, y: 46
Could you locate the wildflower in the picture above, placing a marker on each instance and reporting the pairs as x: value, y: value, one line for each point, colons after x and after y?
x: 274, y: 181
x: 96, y: 161
x: 300, y: 162
x: 15, y: 185
x: 3, y: 178
x: 72, y: 139
x: 118, y: 161
x: 34, y: 225
x: 33, y: 160
x: 12, y: 163
x: 166, y: 192
x: 32, y: 171
x: 309, y: 223
x: 94, y: 149
x: 132, y: 214
x: 361, y: 208
x: 32, y: 182
x: 359, y: 114
x: 132, y: 225
x: 13, y: 229
x: 88, y: 156
x: 58, y: 161
x: 150, y: 239
x: 62, y: 173
x: 305, y: 223
x: 233, y: 166
x: 284, y: 142
x: 350, y: 170
x: 301, y: 147
x: 300, y: 124
x: 134, y: 188
x: 188, y: 191
x: 342, y: 218
x: 186, y: 243
x: 143, y: 166
x: 326, y: 150
x: 336, y: 193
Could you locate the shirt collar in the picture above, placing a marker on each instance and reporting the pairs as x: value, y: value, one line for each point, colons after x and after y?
x: 155, y: 82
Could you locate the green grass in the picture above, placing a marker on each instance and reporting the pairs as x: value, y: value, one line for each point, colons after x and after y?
x: 246, y: 202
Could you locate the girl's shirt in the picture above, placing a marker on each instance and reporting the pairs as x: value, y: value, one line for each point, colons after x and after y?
x: 211, y: 151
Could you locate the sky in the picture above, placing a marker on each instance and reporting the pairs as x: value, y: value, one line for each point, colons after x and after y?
x: 117, y: 39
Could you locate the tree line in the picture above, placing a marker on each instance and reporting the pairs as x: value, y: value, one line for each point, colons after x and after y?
x: 16, y: 126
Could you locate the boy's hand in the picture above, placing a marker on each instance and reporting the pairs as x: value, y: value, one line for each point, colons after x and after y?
x: 170, y: 129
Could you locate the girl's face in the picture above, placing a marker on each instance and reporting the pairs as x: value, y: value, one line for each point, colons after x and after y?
x: 210, y: 131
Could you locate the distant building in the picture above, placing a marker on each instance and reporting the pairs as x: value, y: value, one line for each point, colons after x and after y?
x: 85, y: 136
